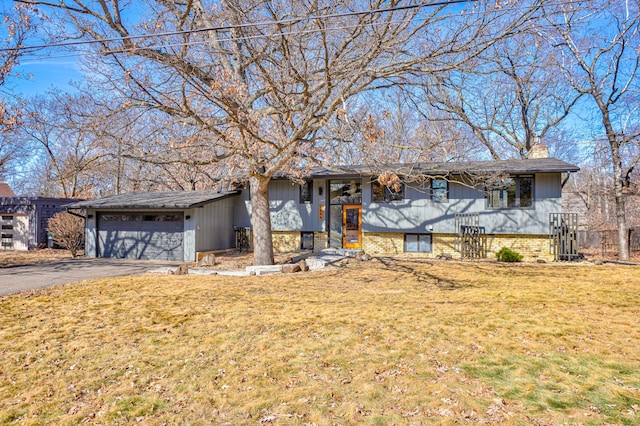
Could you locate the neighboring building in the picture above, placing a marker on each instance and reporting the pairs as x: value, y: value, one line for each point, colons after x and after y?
x: 455, y: 210
x: 24, y: 220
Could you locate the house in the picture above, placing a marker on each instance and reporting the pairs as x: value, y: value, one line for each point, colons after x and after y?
x: 472, y: 209
x: 24, y: 220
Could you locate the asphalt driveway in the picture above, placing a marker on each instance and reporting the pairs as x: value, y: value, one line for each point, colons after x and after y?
x: 14, y: 279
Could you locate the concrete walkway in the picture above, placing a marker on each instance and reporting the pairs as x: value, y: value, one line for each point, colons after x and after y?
x: 15, y: 279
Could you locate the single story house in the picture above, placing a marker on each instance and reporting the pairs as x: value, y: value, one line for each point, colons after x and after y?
x: 471, y: 208
x: 24, y: 220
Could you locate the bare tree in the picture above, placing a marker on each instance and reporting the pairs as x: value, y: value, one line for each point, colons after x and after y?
x: 600, y: 58
x: 61, y: 130
x: 507, y: 98
x: 68, y: 231
x: 258, y: 81
x: 15, y: 26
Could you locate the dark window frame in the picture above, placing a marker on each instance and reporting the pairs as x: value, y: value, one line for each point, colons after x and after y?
x: 390, y: 194
x: 508, y: 198
x: 306, y: 195
x: 302, y: 240
x: 433, y: 191
x: 419, y: 236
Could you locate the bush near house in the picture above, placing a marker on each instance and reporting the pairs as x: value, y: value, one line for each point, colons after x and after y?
x: 68, y: 231
x: 507, y: 255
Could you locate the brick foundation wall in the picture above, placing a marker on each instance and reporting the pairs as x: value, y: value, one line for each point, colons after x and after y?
x: 532, y: 247
x: 320, y: 241
x: 286, y: 241
x: 383, y: 242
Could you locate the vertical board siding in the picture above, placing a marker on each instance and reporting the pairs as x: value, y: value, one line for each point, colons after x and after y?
x: 91, y: 235
x: 418, y: 213
x: 287, y: 213
x: 242, y: 209
x: 189, y: 235
x: 214, y: 225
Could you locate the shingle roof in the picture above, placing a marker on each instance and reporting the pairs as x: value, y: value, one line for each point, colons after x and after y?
x: 154, y: 200
x: 5, y: 190
x: 537, y: 165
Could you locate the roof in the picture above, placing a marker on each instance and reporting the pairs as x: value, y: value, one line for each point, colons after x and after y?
x: 537, y: 165
x: 5, y: 190
x: 29, y: 202
x: 154, y: 200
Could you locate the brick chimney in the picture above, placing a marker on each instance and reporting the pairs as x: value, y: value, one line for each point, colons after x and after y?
x: 538, y: 150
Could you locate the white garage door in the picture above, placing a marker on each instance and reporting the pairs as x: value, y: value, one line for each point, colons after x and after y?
x: 141, y: 235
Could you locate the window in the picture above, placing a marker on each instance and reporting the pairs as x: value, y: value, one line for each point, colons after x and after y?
x: 515, y: 191
x: 161, y: 218
x: 307, y: 240
x: 345, y: 192
x: 417, y: 243
x: 7, y: 226
x: 439, y: 190
x: 7, y: 217
x: 381, y: 193
x: 306, y: 192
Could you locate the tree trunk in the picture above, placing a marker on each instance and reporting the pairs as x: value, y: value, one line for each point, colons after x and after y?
x: 621, y: 219
x: 261, y: 220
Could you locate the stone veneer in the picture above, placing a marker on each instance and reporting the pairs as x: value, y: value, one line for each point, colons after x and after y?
x: 532, y: 247
x: 286, y: 241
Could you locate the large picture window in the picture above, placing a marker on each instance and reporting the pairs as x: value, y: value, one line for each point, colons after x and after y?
x: 514, y: 191
x: 382, y: 193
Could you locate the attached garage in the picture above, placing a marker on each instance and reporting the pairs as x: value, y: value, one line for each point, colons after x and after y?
x: 173, y: 225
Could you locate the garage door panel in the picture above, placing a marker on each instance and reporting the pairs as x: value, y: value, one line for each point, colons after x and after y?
x: 160, y: 245
x: 141, y: 236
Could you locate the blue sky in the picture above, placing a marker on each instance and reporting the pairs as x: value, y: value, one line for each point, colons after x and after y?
x: 40, y: 75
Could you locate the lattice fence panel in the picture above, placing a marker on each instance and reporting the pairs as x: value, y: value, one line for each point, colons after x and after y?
x: 471, y: 241
x: 563, y: 235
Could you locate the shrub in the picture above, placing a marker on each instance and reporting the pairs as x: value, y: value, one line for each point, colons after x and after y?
x: 507, y: 255
x: 68, y: 231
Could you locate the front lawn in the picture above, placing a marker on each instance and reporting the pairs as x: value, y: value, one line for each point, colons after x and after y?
x: 397, y: 341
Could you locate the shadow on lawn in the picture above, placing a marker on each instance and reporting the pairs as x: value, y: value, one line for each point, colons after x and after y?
x: 418, y: 268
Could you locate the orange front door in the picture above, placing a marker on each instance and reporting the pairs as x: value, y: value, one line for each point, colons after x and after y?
x: 352, y: 226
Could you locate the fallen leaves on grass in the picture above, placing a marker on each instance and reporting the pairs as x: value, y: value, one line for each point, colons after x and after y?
x: 391, y: 342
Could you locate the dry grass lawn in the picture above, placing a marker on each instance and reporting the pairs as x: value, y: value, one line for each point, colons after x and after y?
x: 404, y: 341
x: 14, y: 258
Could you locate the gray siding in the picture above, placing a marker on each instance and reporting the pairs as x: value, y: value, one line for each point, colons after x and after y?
x: 91, y: 234
x: 287, y: 213
x: 242, y: 210
x: 214, y: 225
x: 417, y: 213
x: 189, y: 236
